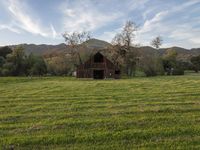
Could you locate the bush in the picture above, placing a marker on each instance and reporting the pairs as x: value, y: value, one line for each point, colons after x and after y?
x: 5, y: 72
x: 178, y: 71
x: 4, y: 51
x: 149, y: 72
x: 196, y: 63
x: 2, y: 61
x: 152, y: 65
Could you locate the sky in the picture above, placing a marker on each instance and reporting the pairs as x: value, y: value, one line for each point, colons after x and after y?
x: 44, y: 21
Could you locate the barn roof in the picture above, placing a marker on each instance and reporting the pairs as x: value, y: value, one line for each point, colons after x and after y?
x: 102, y: 52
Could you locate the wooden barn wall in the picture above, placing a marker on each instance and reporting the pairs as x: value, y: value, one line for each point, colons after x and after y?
x: 86, y: 70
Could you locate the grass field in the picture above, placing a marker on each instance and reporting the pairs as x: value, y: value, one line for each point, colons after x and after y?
x: 66, y: 113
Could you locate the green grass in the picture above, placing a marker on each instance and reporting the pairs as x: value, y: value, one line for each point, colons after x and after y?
x: 66, y: 113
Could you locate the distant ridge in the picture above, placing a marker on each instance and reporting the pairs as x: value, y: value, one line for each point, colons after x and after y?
x: 95, y: 43
x: 42, y: 48
x: 183, y: 54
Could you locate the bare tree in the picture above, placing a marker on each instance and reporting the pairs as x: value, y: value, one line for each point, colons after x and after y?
x: 118, y: 40
x: 157, y: 42
x: 75, y: 40
x: 124, y: 42
x: 129, y: 33
x: 115, y: 55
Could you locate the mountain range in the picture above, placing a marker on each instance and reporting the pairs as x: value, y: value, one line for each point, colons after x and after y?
x: 183, y: 54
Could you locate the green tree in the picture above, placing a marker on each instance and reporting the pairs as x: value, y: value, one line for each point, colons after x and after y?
x: 39, y: 67
x: 196, y: 63
x: 169, y: 60
x: 75, y: 41
x: 60, y: 64
x: 124, y: 46
x: 15, y: 62
x: 152, y: 65
x: 2, y: 61
x: 36, y: 65
x: 4, y: 51
x: 170, y: 63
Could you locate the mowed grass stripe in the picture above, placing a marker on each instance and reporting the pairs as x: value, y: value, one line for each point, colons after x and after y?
x: 68, y: 113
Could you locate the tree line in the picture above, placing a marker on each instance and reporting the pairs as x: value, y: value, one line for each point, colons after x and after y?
x: 124, y: 53
x: 17, y: 63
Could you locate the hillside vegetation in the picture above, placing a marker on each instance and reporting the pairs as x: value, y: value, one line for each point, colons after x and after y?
x: 184, y: 54
x: 66, y: 113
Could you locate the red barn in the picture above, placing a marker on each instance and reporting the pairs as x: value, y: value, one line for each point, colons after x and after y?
x: 98, y: 67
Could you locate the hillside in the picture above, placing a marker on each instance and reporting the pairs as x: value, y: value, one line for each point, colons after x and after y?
x: 95, y: 43
x: 183, y: 54
x: 41, y: 49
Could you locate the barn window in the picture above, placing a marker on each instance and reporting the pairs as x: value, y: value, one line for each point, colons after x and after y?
x: 98, y: 58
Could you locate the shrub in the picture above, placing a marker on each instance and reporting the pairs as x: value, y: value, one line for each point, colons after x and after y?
x: 150, y: 72
x: 178, y: 71
x: 5, y: 72
x: 152, y: 65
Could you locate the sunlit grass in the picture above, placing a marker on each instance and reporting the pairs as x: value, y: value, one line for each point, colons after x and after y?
x: 67, y: 113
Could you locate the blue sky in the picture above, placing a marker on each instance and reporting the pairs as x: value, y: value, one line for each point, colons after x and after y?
x: 43, y: 21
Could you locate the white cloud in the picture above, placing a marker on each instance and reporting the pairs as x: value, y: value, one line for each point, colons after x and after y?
x: 135, y: 4
x: 84, y: 15
x: 88, y: 15
x: 185, y: 5
x: 17, y: 9
x: 54, y: 33
x: 147, y: 12
x: 23, y: 18
x: 177, y: 30
x: 10, y: 28
x: 109, y: 35
x: 149, y: 25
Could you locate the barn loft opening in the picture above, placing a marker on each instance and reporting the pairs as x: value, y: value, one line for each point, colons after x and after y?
x: 98, y: 74
x: 98, y: 58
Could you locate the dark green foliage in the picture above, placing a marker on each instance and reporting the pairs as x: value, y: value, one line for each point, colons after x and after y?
x: 4, y: 51
x: 152, y: 65
x: 15, y: 62
x: 186, y: 65
x: 18, y: 64
x: 150, y: 72
x: 167, y: 65
x: 2, y: 61
x: 5, y: 72
x: 179, y: 68
x: 39, y: 68
x: 36, y: 65
x: 169, y: 60
x: 171, y: 65
x: 131, y: 62
x: 178, y: 71
x: 17, y: 58
x: 196, y: 63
